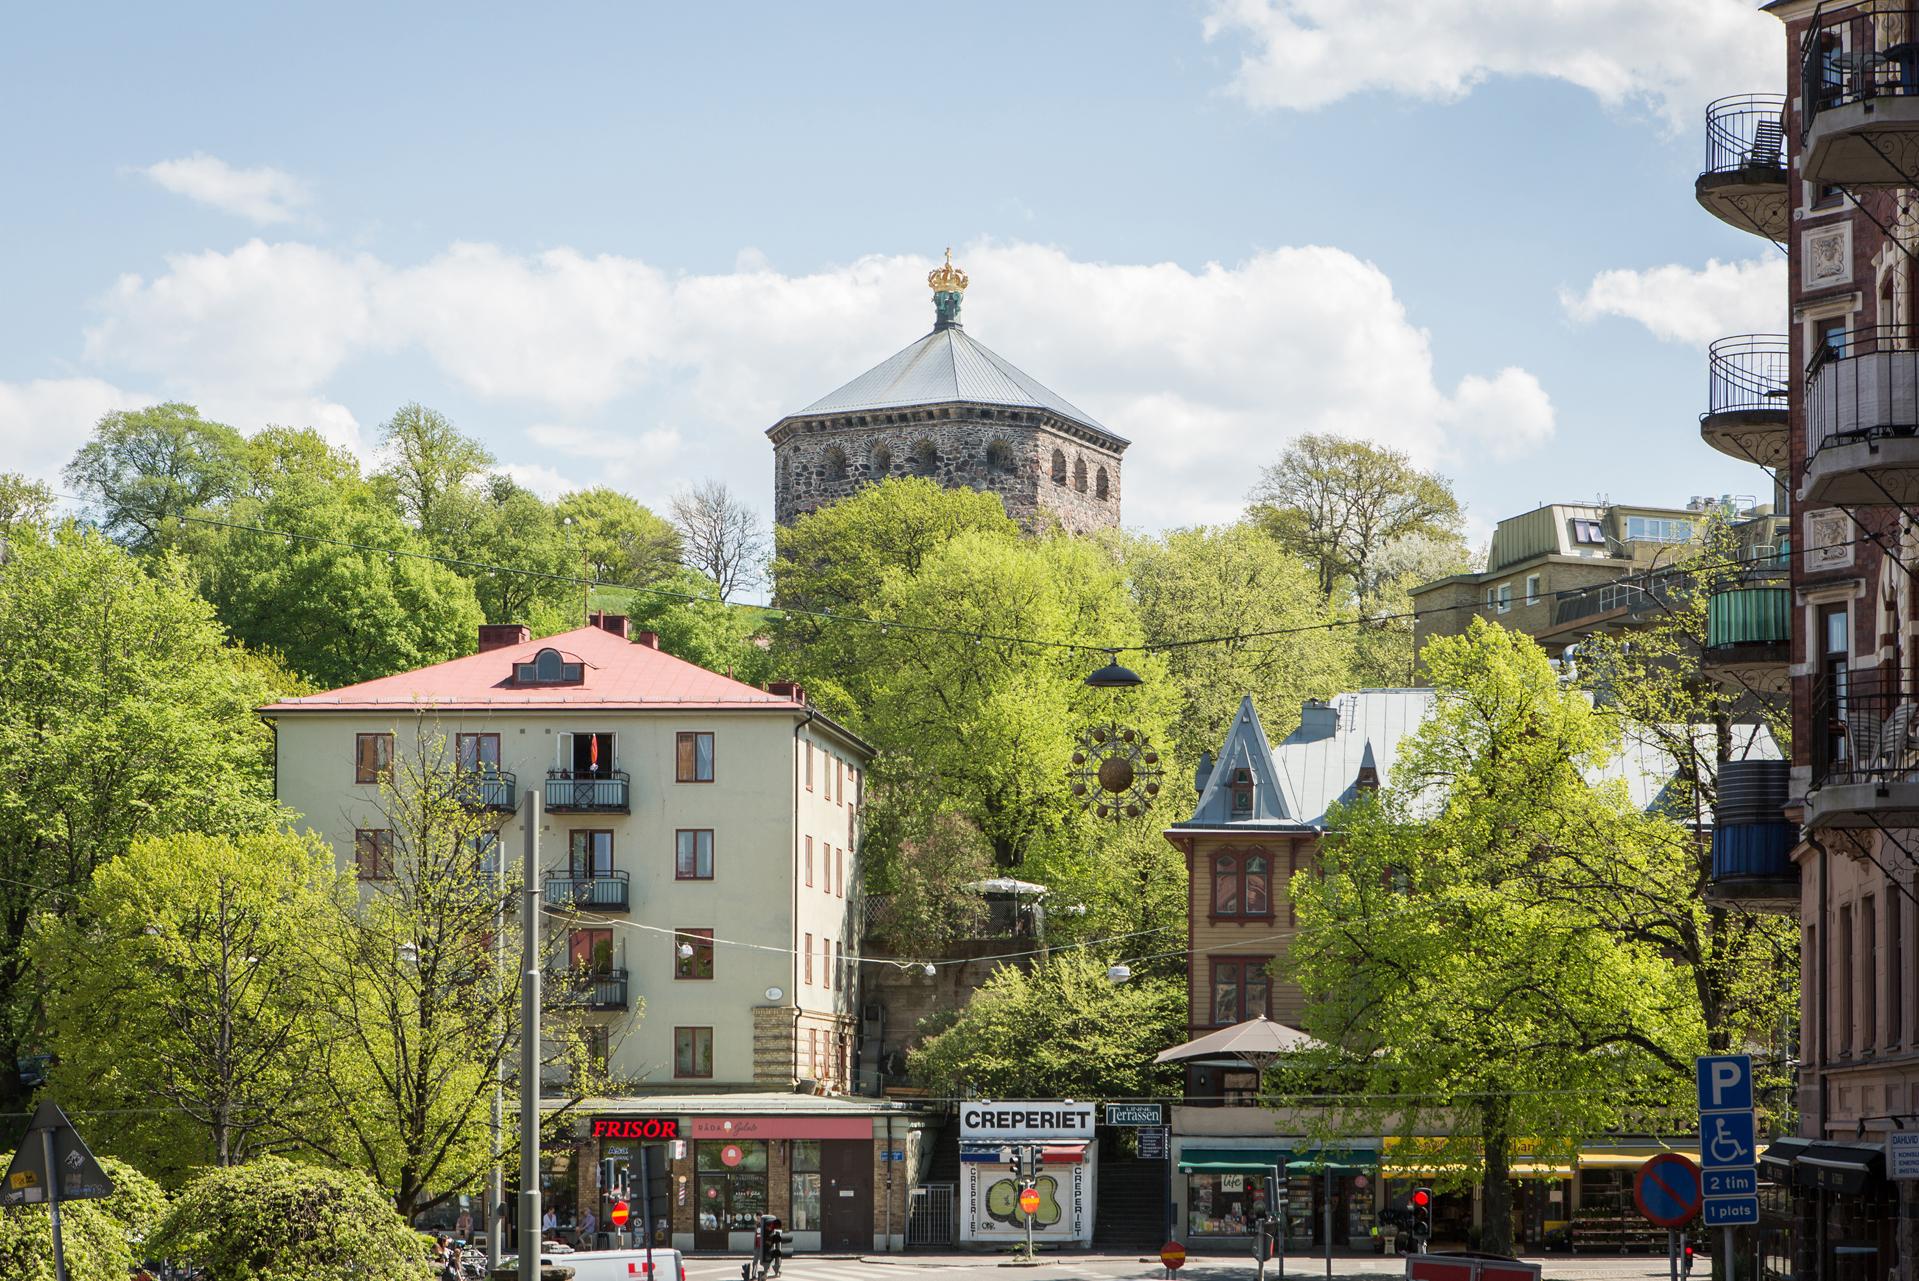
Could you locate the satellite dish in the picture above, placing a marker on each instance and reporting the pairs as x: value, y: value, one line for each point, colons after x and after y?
x: 774, y: 994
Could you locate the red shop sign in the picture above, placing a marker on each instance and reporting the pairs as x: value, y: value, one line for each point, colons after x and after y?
x: 635, y: 1127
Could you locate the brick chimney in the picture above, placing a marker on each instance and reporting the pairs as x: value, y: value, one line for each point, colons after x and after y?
x: 501, y: 635
x: 615, y: 623
x: 649, y: 639
x: 787, y: 689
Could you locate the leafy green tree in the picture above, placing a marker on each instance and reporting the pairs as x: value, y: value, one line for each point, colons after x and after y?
x: 1455, y: 998
x: 1062, y: 1029
x: 622, y: 541
x: 149, y: 467
x: 1340, y: 503
x: 684, y: 608
x: 24, y: 504
x: 1235, y: 581
x: 123, y: 714
x: 925, y: 905
x: 834, y: 558
x: 195, y: 992
x: 431, y: 472
x: 514, y: 528
x: 138, y: 1205
x: 274, y: 1220
x: 101, y: 1239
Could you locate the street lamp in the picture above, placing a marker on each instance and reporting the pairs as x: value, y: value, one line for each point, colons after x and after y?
x: 1119, y: 972
x: 1114, y: 676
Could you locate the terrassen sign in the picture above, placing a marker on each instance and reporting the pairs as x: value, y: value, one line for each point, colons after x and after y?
x: 1024, y: 1122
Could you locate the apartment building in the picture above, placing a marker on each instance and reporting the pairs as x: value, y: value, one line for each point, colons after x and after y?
x: 699, y: 844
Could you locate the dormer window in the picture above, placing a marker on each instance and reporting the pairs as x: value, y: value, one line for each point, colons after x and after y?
x: 1242, y: 793
x: 549, y: 667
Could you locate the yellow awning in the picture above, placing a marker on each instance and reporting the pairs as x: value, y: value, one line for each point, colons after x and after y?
x: 1632, y: 1156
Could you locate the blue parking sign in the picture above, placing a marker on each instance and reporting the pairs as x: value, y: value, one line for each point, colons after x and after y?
x: 1726, y: 1140
x: 1725, y: 1083
x: 1732, y: 1211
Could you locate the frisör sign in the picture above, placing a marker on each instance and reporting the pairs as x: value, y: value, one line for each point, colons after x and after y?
x: 635, y: 1127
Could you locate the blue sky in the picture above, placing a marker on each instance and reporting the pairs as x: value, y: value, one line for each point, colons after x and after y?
x: 617, y: 241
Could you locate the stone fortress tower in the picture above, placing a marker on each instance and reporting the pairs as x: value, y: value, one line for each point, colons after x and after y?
x: 949, y: 409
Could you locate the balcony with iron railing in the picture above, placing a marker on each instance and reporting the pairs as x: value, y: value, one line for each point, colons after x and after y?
x: 1865, y: 751
x: 487, y: 789
x: 1862, y: 420
x: 588, y: 792
x: 594, y: 989
x: 1748, y: 380
x: 1744, y: 181
x: 1620, y: 601
x: 601, y: 892
x: 1859, y: 64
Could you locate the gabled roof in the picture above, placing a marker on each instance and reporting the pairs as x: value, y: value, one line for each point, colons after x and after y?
x: 942, y: 368
x: 1246, y: 748
x: 619, y: 674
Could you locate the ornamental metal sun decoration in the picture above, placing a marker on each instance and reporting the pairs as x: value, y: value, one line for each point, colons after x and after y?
x: 1115, y: 772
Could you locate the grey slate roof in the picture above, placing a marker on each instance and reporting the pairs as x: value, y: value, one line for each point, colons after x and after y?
x: 1318, y: 764
x: 943, y: 367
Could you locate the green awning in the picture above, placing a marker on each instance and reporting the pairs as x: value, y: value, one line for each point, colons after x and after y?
x: 1234, y: 1160
x: 1337, y: 1160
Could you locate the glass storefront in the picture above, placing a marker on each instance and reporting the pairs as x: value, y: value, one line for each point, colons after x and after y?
x: 732, y: 1185
x: 805, y: 1215
x: 1225, y: 1204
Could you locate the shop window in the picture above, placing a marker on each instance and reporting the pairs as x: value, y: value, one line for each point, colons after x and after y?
x: 1241, y: 989
x: 732, y: 1185
x: 806, y: 1186
x: 693, y: 954
x: 693, y: 1051
x: 1242, y: 885
x: 372, y: 757
x: 692, y: 758
x: 1225, y: 1205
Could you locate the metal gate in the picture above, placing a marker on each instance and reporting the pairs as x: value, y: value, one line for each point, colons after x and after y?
x: 930, y: 1221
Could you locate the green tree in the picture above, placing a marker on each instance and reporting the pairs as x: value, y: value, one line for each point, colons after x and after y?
x: 1062, y: 1029
x: 147, y: 468
x: 101, y: 1239
x: 195, y: 993
x: 924, y: 904
x: 274, y: 1220
x: 514, y: 528
x: 834, y: 558
x: 430, y: 473
x: 1457, y: 999
x: 621, y: 541
x: 123, y: 714
x: 684, y: 609
x: 24, y: 504
x: 1340, y: 503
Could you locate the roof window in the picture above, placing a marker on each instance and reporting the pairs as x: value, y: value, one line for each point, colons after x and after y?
x: 549, y: 667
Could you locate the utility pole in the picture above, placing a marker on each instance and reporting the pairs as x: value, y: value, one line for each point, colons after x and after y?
x: 530, y: 1045
x: 496, y: 1177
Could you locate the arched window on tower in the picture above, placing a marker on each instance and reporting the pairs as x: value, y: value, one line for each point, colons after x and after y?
x: 835, y: 463
x: 1059, y: 467
x: 999, y: 456
x: 882, y: 462
x: 926, y: 458
x: 1079, y: 474
x: 1100, y: 487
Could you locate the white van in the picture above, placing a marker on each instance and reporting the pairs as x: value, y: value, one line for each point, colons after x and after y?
x: 618, y: 1265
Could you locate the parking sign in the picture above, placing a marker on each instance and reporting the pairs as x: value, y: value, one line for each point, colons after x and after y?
x: 1725, y: 1083
x: 1728, y: 1140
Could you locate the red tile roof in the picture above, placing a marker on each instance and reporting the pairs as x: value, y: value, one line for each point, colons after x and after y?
x: 619, y: 675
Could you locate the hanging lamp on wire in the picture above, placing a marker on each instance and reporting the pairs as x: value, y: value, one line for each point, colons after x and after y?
x: 1114, y: 676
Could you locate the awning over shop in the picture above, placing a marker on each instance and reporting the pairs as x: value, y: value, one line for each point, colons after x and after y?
x: 1234, y: 1160
x: 989, y: 1153
x: 1778, y: 1157
x: 1337, y: 1160
x: 1625, y: 1156
x: 1839, y: 1167
x: 1062, y: 1153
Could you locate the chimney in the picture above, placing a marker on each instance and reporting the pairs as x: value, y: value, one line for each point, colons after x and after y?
x: 787, y: 689
x: 1204, y: 772
x: 1317, y: 719
x: 615, y: 623
x: 649, y: 639
x: 501, y: 635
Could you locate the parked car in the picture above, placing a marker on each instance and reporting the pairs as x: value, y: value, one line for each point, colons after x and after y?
x: 616, y: 1265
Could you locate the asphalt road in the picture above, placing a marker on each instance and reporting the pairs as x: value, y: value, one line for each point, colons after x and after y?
x: 919, y: 1267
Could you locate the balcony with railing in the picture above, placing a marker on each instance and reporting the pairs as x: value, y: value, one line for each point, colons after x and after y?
x: 1860, y: 88
x: 601, y: 989
x: 1749, y: 637
x: 602, y: 892
x: 487, y: 789
x: 1744, y: 181
x: 1594, y: 608
x: 1748, y: 380
x: 1865, y: 751
x: 1862, y: 420
x: 588, y: 792
x: 1752, y: 841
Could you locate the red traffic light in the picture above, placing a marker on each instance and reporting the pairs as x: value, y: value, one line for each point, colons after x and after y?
x: 1422, y: 1198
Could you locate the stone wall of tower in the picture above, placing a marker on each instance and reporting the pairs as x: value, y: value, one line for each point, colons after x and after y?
x: 1045, y: 469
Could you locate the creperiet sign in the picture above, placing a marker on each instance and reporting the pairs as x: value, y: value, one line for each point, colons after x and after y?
x: 1027, y: 1122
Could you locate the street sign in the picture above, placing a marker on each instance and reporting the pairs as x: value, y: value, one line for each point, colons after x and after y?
x: 28, y: 1178
x: 1718, y: 1182
x: 1732, y: 1211
x: 1152, y: 1143
x: 1173, y: 1255
x: 620, y: 1214
x: 1726, y: 1140
x: 1134, y: 1114
x: 1902, y: 1154
x: 893, y: 1154
x: 1725, y: 1082
x: 1667, y: 1190
x: 1029, y: 1201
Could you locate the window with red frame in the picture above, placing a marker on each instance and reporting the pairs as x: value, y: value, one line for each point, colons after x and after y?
x: 372, y: 757
x: 1243, y: 885
x: 373, y: 853
x: 1241, y: 989
x: 809, y: 959
x: 700, y: 964
x: 809, y: 860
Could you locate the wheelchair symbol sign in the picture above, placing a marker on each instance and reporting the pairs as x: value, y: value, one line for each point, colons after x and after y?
x: 1726, y: 1140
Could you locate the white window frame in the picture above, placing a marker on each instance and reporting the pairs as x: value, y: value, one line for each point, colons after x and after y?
x: 1505, y: 598
x: 1532, y: 589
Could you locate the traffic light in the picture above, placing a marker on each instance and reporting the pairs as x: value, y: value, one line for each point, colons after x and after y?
x: 1685, y: 1255
x: 1422, y: 1207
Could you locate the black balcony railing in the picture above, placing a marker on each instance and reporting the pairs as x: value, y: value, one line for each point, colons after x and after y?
x: 604, y: 892
x: 1748, y: 374
x: 583, y: 792
x: 1863, y: 50
x: 1862, y: 414
x: 487, y: 789
x: 1865, y: 729
x: 603, y: 989
x: 1627, y: 596
x: 1745, y: 135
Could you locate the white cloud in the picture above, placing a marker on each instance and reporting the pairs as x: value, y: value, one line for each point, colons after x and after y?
x: 1673, y: 55
x: 43, y: 422
x: 264, y: 195
x: 658, y: 378
x: 544, y: 481
x: 1687, y: 305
